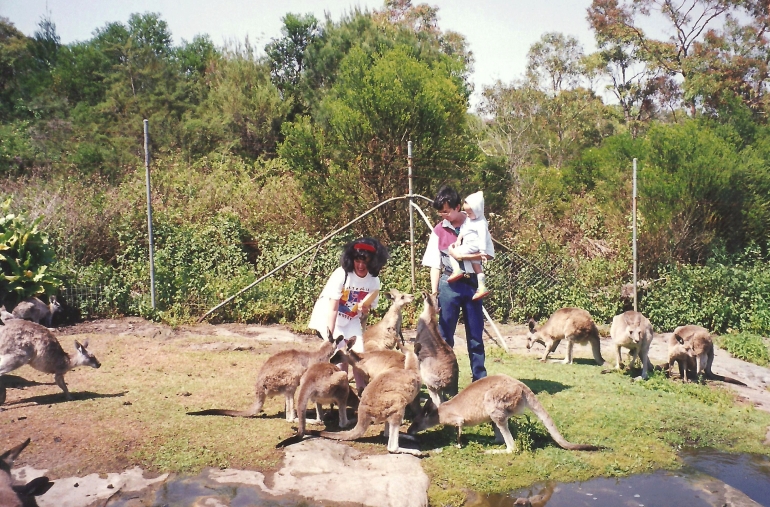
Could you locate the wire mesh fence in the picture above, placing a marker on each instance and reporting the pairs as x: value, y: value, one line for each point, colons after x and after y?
x: 88, y: 301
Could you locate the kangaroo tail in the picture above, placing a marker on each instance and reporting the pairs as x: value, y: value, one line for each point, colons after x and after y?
x: 253, y: 411
x: 297, y: 438
x: 540, y: 412
x: 358, y: 431
x: 722, y: 378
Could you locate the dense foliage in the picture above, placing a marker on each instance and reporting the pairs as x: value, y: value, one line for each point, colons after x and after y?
x: 260, y: 152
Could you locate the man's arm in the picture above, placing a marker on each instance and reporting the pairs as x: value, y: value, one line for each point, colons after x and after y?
x: 435, y: 276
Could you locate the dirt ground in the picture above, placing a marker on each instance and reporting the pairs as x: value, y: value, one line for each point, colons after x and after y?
x: 271, y: 339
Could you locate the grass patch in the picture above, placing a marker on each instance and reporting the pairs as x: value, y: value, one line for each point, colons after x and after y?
x: 747, y: 346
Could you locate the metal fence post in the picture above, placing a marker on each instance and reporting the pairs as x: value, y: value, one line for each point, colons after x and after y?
x: 149, y: 209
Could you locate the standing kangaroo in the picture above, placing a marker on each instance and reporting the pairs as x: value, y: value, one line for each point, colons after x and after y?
x: 495, y: 398
x: 693, y: 348
x: 19, y: 496
x: 369, y: 365
x: 281, y: 374
x: 23, y: 342
x: 572, y: 324
x: 438, y: 363
x: 633, y: 331
x: 385, y: 400
x: 386, y: 334
x: 36, y: 311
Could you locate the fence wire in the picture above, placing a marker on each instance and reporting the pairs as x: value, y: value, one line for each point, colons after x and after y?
x: 90, y: 302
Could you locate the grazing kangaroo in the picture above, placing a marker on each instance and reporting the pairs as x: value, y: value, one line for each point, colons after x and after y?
x: 35, y: 310
x: 23, y: 342
x: 572, y: 324
x: 692, y: 347
x: 495, y: 398
x: 19, y: 496
x: 438, y: 363
x: 633, y: 331
x: 386, y: 334
x: 281, y: 374
x: 385, y: 400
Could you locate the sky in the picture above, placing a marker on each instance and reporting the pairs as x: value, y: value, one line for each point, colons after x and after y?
x: 498, y: 32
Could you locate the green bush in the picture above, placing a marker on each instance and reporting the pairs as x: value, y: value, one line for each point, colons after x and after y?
x: 716, y: 296
x: 747, y: 346
x: 25, y: 257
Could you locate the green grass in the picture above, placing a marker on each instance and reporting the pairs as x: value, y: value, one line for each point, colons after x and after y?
x: 643, y: 425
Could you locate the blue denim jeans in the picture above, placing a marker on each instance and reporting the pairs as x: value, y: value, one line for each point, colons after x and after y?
x: 456, y: 297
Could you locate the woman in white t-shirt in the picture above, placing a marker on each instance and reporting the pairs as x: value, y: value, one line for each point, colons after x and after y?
x: 351, y: 291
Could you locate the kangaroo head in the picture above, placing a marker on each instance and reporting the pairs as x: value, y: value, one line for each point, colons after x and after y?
x: 532, y: 334
x: 427, y: 418
x: 343, y: 350
x: 54, y: 304
x: 399, y: 298
x: 84, y: 357
x: 8, y: 457
x: 634, y: 326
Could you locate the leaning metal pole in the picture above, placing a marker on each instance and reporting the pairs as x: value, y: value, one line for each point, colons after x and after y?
x: 411, y: 213
x: 303, y: 252
x: 149, y: 209
x: 634, y: 238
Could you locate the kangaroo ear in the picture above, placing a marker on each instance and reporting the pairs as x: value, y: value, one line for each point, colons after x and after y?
x: 679, y: 339
x: 329, y: 335
x: 428, y: 407
x: 390, y: 295
x: 85, y: 344
x: 532, y: 324
x: 351, y: 341
x: 417, y: 349
x: 78, y: 346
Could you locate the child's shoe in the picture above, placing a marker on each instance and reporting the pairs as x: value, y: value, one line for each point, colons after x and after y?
x: 456, y: 275
x: 481, y: 292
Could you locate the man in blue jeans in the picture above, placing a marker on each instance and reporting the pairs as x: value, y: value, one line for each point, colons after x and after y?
x: 458, y: 296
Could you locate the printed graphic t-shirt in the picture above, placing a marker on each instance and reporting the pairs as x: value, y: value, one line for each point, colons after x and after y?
x: 347, y: 293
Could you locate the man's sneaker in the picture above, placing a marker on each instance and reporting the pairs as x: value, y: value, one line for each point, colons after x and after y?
x: 481, y: 292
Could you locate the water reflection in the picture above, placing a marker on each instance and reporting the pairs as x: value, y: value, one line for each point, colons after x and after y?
x: 708, y: 478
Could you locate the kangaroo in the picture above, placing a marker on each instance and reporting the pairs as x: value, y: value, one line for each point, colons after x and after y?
x: 5, y: 315
x: 495, y: 398
x: 633, y: 331
x: 385, y: 400
x: 18, y: 496
x: 438, y: 363
x: 281, y: 374
x: 35, y: 310
x: 369, y: 365
x: 692, y: 347
x: 573, y: 324
x: 23, y: 342
x: 386, y: 334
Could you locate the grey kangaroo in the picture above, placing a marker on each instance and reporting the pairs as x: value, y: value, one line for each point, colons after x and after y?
x: 572, y: 324
x: 23, y: 342
x: 495, y: 398
x: 36, y: 311
x: 633, y: 331
x: 281, y: 374
x: 385, y: 400
x: 438, y: 363
x: 386, y: 334
x: 693, y: 348
x: 19, y: 496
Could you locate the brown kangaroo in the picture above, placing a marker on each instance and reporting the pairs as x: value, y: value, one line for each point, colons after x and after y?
x: 36, y: 311
x: 438, y: 363
x: 19, y: 496
x: 495, y: 398
x: 633, y: 331
x: 386, y: 334
x: 572, y: 324
x: 692, y: 347
x: 369, y: 365
x: 281, y: 374
x: 24, y: 342
x: 385, y: 400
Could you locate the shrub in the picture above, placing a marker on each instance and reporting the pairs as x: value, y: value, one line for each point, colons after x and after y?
x: 25, y: 256
x: 747, y: 346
